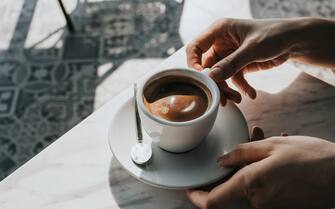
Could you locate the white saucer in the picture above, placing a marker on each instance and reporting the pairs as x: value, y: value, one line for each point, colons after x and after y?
x: 178, y: 171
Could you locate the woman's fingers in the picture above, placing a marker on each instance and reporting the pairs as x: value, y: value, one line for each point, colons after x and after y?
x: 210, y: 58
x: 223, y: 100
x: 245, y: 154
x: 232, y: 190
x: 228, y: 93
x: 243, y: 85
x: 266, y: 65
x: 232, y: 64
x: 284, y: 134
x: 225, y: 193
x: 198, y: 47
x: 198, y: 198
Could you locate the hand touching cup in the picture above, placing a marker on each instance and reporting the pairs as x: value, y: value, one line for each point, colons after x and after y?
x: 277, y: 172
x: 233, y: 47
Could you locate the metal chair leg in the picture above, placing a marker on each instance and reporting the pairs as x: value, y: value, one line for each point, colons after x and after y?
x: 69, y: 22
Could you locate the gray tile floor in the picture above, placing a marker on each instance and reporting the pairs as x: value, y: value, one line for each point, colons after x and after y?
x: 292, y: 8
x: 44, y: 91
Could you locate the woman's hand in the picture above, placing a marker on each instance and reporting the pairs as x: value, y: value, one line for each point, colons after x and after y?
x: 234, y: 47
x: 281, y: 172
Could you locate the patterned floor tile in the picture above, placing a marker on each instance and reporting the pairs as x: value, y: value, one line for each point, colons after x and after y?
x: 45, y: 91
x: 292, y: 8
x: 81, y: 47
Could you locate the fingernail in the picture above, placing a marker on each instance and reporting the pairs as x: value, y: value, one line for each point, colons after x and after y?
x: 239, y: 98
x: 257, y: 134
x: 223, y: 101
x: 251, y: 93
x: 223, y: 160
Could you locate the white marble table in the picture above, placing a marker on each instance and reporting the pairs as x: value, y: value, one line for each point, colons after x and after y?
x: 79, y: 171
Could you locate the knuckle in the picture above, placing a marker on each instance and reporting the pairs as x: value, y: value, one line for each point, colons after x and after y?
x: 189, y: 47
x: 217, y: 23
x: 275, y: 140
x: 193, y: 48
x: 228, y: 63
x: 240, y: 149
x: 224, y: 22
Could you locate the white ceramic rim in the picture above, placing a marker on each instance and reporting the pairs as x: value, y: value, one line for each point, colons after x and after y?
x: 204, y: 79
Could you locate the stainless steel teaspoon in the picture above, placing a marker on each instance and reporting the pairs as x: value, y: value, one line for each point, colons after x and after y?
x: 141, y: 152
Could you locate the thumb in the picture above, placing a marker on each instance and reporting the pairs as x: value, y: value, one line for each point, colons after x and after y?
x: 231, y: 64
x: 234, y: 189
x: 246, y: 153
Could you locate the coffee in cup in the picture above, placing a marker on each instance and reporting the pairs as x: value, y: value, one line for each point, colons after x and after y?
x: 194, y: 115
x: 177, y: 98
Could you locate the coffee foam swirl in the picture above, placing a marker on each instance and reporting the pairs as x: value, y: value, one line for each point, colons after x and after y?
x: 177, y: 98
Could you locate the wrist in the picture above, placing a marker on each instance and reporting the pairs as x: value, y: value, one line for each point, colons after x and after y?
x: 307, y: 35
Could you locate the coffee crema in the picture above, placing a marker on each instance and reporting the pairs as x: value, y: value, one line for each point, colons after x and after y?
x: 177, y: 98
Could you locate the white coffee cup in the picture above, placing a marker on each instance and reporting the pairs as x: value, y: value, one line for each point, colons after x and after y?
x: 179, y: 136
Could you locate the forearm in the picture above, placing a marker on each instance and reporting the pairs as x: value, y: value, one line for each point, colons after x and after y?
x: 313, y: 41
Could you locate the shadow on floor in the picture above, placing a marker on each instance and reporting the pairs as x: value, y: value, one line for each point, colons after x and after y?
x: 45, y: 92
